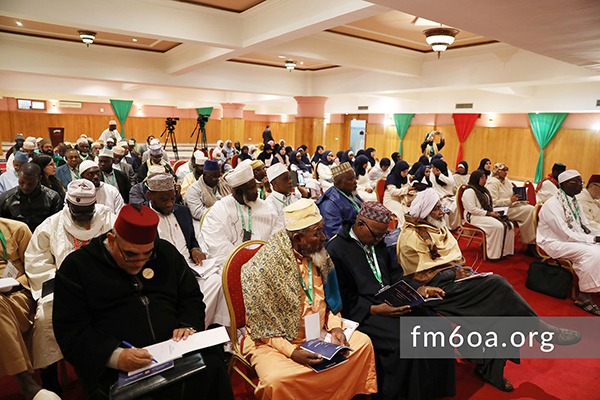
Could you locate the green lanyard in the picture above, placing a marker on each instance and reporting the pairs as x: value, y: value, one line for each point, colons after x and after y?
x: 112, y: 181
x: 249, y: 230
x: 371, y: 258
x: 279, y: 200
x: 351, y: 199
x: 576, y: 210
x: 3, y: 240
x: 307, y: 291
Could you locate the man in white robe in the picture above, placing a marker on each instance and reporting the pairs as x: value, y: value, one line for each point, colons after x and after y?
x: 238, y: 217
x: 189, y: 178
x: 110, y: 133
x: 283, y: 193
x: 107, y: 195
x: 10, y: 178
x: 207, y: 190
x: 589, y: 199
x: 563, y: 232
x: 80, y: 221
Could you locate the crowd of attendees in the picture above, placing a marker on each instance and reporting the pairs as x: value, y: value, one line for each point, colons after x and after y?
x: 74, y: 214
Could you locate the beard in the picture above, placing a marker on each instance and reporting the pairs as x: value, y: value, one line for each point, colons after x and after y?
x: 319, y: 258
x: 438, y: 223
x: 248, y: 202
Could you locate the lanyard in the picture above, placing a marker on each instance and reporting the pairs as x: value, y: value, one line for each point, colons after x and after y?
x: 3, y: 240
x: 351, y: 199
x: 249, y: 230
x: 112, y: 180
x: 285, y: 203
x: 576, y: 210
x: 371, y: 258
x: 307, y: 291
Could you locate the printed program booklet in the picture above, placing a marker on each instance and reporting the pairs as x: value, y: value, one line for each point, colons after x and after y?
x: 475, y: 276
x: 330, y: 352
x: 402, y: 294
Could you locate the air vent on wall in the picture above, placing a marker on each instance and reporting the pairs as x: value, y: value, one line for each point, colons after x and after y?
x: 597, y: 103
x: 463, y: 105
x: 69, y: 104
x: 363, y: 108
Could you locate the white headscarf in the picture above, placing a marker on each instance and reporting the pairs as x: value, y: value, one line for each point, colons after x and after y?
x: 423, y: 203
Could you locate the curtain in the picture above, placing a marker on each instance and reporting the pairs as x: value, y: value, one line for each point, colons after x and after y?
x: 464, y: 124
x: 205, y: 112
x: 402, y: 122
x: 121, y: 109
x: 544, y: 126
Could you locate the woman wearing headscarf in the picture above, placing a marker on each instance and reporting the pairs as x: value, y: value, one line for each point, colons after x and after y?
x: 461, y: 176
x: 395, y: 157
x: 429, y: 147
x: 421, y: 180
x: 479, y: 211
x: 317, y: 156
x: 340, y: 157
x: 414, y: 168
x: 501, y: 189
x: 370, y: 153
x: 399, y: 193
x: 323, y: 170
x: 485, y: 165
x: 443, y: 184
x: 305, y: 156
x: 245, y: 154
x: 281, y: 157
x: 301, y: 168
x: 266, y: 155
x: 363, y: 187
x: 349, y: 156
x: 49, y: 178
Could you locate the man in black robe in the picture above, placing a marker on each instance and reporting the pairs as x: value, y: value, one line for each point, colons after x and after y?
x: 363, y: 267
x: 129, y: 286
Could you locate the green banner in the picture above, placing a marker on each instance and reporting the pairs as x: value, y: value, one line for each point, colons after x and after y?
x: 402, y: 122
x: 204, y: 112
x: 544, y: 126
x: 121, y: 109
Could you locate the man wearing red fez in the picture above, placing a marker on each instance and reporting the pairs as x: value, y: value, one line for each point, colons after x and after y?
x: 129, y: 287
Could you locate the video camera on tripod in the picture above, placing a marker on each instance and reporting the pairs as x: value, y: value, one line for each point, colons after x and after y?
x: 171, y: 122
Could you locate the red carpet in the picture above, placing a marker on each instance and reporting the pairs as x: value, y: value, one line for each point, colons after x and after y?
x: 540, y: 379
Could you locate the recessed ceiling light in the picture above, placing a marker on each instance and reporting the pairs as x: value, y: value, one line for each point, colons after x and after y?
x: 281, y: 56
x: 301, y: 62
x: 19, y: 23
x: 134, y: 39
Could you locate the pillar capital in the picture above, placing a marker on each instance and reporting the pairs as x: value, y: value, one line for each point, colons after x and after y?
x: 311, y: 106
x: 233, y: 110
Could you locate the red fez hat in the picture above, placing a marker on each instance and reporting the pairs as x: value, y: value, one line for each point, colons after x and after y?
x: 594, y: 178
x: 137, y: 225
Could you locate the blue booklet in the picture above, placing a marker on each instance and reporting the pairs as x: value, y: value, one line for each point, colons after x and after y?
x: 125, y: 379
x: 336, y: 360
x: 327, y: 350
x: 401, y: 294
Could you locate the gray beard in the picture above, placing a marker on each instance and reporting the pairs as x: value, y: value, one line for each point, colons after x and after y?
x: 319, y: 258
x: 440, y: 224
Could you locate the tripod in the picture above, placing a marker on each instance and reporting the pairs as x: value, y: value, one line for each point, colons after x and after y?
x: 170, y: 131
x: 200, y: 127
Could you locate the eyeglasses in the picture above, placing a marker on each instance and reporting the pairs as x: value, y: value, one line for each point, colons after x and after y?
x: 130, y: 260
x: 376, y: 237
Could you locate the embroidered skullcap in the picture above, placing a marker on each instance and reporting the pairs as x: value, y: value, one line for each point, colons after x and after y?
x: 19, y: 136
x: 21, y: 156
x: 498, y: 167
x: 110, y: 140
x: 423, y: 203
x: 106, y: 153
x: 559, y: 167
x: 156, y: 149
x: 341, y: 169
x: 594, y: 178
x: 568, y: 174
x: 211, y: 165
x: 27, y: 145
x: 199, y: 158
x: 155, y: 170
x: 30, y: 139
x: 116, y: 150
x: 160, y: 183
x: 154, y: 141
x: 123, y: 144
x: 375, y: 211
x: 82, y: 140
x: 276, y: 170
x: 112, y: 122
x: 240, y: 175
x: 81, y: 192
x: 137, y: 224
x: 85, y: 165
x: 301, y: 214
x: 257, y: 164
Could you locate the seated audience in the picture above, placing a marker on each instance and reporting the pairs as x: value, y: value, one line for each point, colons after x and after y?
x: 207, y: 190
x: 137, y: 194
x: 262, y: 180
x: 107, y: 195
x: 283, y: 193
x: 461, y: 176
x: 363, y: 266
x: 48, y: 177
x: 97, y: 306
x: 429, y: 254
x: 155, y: 155
x: 563, y: 232
x: 197, y: 161
x: 238, y: 217
x: 10, y: 178
x: 30, y: 202
x: 266, y: 155
x: 154, y: 144
x: 501, y: 190
x: 589, y: 199
x: 363, y: 186
x: 46, y: 148
x: 443, y: 183
x: 59, y: 235
x: 70, y: 171
x: 119, y: 164
x: 323, y: 170
x: 281, y: 157
x: 339, y: 203
x: 27, y: 148
x: 479, y: 211
x: 83, y: 146
x: 111, y: 176
x: 276, y: 307
x: 548, y: 187
x: 398, y: 191
x: 378, y: 172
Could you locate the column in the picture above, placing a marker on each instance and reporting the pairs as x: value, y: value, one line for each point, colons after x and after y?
x: 310, y: 121
x: 232, y: 122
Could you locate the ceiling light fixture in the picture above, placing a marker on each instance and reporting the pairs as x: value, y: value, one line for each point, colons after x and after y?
x: 290, y: 65
x: 440, y: 38
x: 19, y: 23
x: 134, y: 40
x: 87, y: 37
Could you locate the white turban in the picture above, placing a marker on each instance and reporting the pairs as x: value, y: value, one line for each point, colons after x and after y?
x: 568, y: 174
x: 423, y: 203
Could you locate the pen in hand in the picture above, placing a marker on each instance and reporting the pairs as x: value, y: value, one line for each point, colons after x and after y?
x: 130, y: 346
